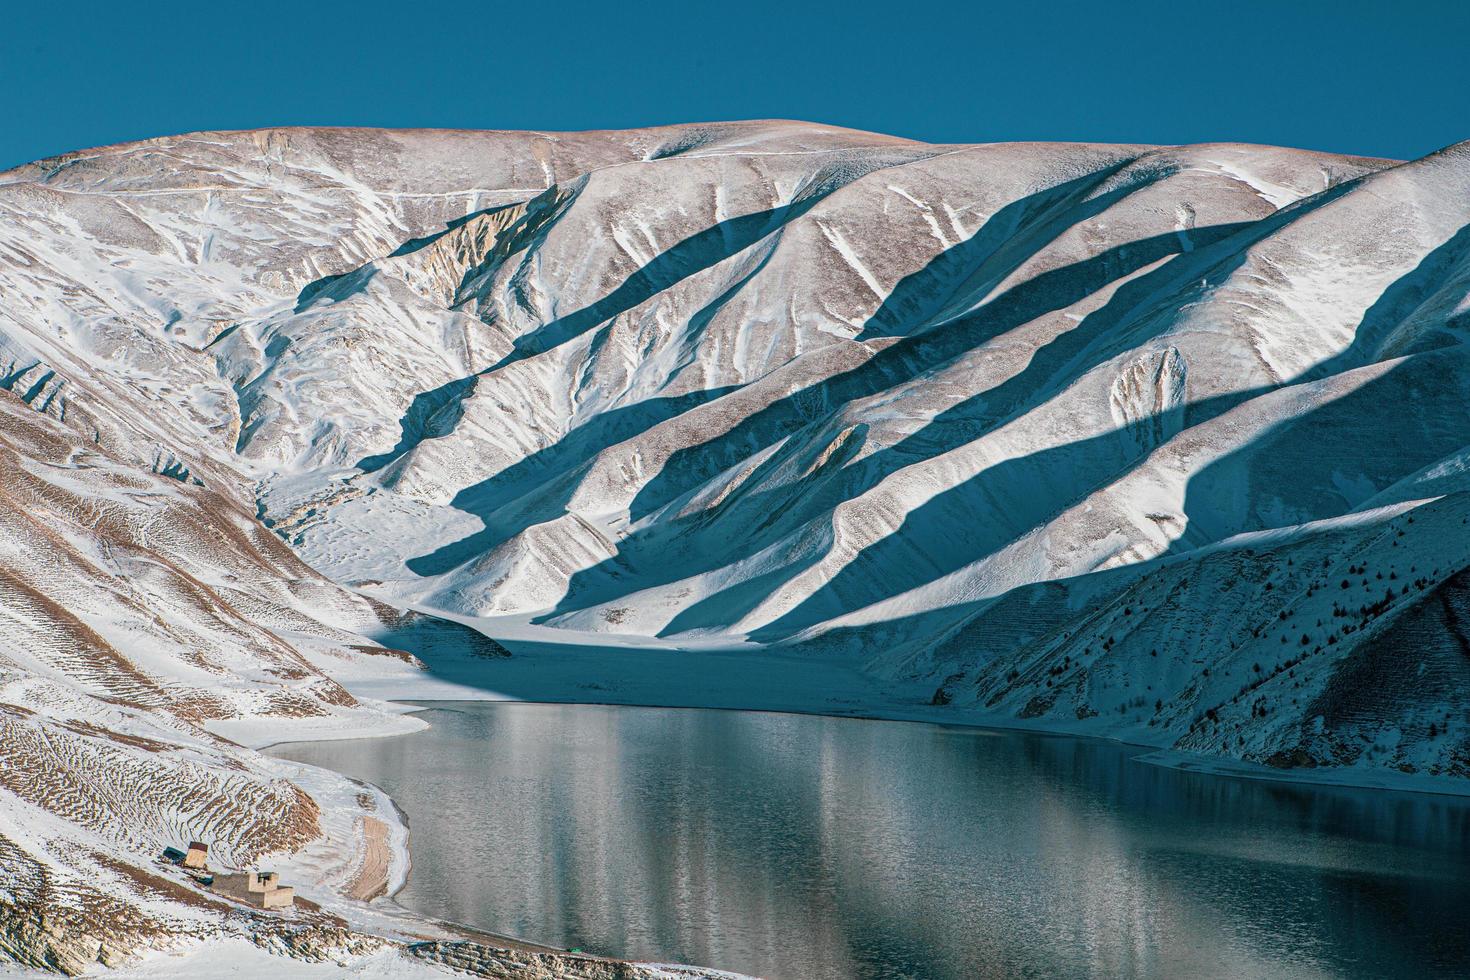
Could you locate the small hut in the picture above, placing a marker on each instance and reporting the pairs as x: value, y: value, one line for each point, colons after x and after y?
x: 261, y: 889
x: 197, y: 856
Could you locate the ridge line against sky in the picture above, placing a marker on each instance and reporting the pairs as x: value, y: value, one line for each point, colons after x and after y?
x: 1349, y: 77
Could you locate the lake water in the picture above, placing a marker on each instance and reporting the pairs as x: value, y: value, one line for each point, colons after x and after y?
x: 802, y: 847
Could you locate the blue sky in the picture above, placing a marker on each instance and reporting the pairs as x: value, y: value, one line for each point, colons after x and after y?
x: 1373, y: 78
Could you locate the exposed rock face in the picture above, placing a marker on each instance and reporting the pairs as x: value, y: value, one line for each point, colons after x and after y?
x: 1148, y: 397
x: 51, y: 922
x: 488, y: 961
x: 1160, y: 442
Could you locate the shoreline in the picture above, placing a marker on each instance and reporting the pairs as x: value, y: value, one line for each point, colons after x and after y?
x: 550, y: 665
x: 1138, y: 752
x: 425, y: 695
x: 714, y: 678
x: 1179, y: 760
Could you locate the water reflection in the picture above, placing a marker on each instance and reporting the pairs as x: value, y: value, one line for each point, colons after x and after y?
x: 805, y: 847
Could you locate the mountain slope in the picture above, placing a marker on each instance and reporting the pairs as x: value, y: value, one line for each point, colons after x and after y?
x: 1165, y: 443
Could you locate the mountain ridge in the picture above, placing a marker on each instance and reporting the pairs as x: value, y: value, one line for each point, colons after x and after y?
x: 1155, y: 443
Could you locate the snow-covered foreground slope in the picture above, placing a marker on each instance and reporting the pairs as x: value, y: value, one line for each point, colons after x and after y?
x: 1170, y: 444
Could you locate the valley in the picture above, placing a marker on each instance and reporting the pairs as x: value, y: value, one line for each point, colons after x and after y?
x: 1164, y: 445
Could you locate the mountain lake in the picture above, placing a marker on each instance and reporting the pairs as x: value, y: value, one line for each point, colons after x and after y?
x: 802, y: 847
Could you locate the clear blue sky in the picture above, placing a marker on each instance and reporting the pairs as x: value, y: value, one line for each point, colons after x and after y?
x: 1389, y: 79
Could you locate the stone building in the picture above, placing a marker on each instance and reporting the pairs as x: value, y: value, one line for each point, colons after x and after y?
x: 261, y: 889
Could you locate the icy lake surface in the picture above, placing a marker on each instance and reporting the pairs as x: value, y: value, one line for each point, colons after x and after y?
x: 802, y: 847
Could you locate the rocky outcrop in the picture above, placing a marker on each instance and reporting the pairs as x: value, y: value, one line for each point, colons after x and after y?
x: 496, y: 963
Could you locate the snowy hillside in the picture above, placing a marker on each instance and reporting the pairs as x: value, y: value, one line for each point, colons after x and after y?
x: 1163, y: 443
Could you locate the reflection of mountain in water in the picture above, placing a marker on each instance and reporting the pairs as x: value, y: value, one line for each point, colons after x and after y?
x: 801, y: 846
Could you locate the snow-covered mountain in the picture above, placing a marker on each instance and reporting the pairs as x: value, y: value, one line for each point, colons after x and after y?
x: 1163, y: 443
